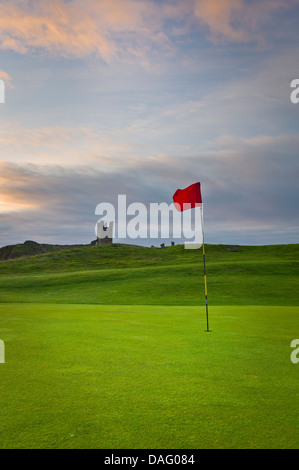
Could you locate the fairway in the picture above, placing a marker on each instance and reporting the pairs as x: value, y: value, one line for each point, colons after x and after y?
x: 136, y: 376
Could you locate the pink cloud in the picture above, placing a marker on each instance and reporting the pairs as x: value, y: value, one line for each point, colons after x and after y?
x: 7, y: 79
x: 79, y: 28
x: 127, y: 29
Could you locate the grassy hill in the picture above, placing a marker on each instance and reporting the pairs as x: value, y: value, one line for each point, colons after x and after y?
x: 29, y: 248
x: 126, y: 274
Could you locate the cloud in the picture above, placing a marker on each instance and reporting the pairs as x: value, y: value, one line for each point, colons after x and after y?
x: 237, y: 20
x: 7, y: 79
x: 51, y: 26
x: 79, y: 28
x: 250, y: 192
x: 219, y: 15
x: 65, y: 145
x: 127, y: 29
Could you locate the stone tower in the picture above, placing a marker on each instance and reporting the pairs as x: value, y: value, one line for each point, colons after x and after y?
x: 104, y: 233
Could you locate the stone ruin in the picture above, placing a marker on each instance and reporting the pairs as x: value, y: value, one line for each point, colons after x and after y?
x: 104, y: 233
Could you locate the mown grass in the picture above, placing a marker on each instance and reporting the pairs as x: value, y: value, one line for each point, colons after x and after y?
x: 82, y: 376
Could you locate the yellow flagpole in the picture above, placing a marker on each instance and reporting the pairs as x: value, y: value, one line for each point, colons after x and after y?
x: 204, y: 268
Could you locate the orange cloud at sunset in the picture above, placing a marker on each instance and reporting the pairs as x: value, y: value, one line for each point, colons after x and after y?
x: 6, y: 78
x: 78, y: 28
x: 53, y: 26
x: 10, y: 204
x: 218, y: 15
x: 118, y: 28
x: 12, y: 195
x: 67, y: 145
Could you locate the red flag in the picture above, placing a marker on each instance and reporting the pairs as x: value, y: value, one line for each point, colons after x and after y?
x: 190, y: 196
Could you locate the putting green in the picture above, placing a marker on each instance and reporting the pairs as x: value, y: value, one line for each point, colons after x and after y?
x: 96, y: 376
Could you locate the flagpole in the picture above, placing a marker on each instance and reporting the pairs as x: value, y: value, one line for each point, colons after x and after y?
x: 204, y: 268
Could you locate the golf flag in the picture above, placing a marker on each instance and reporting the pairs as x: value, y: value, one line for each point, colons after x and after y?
x: 187, y: 198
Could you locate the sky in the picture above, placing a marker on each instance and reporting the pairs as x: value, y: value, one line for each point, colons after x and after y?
x: 142, y: 97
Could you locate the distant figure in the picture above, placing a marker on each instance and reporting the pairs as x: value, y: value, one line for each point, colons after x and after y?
x: 172, y: 243
x: 105, y: 233
x: 162, y: 245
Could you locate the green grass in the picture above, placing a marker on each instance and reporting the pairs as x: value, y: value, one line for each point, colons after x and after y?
x: 128, y: 256
x: 138, y: 275
x: 106, y: 348
x: 82, y: 376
